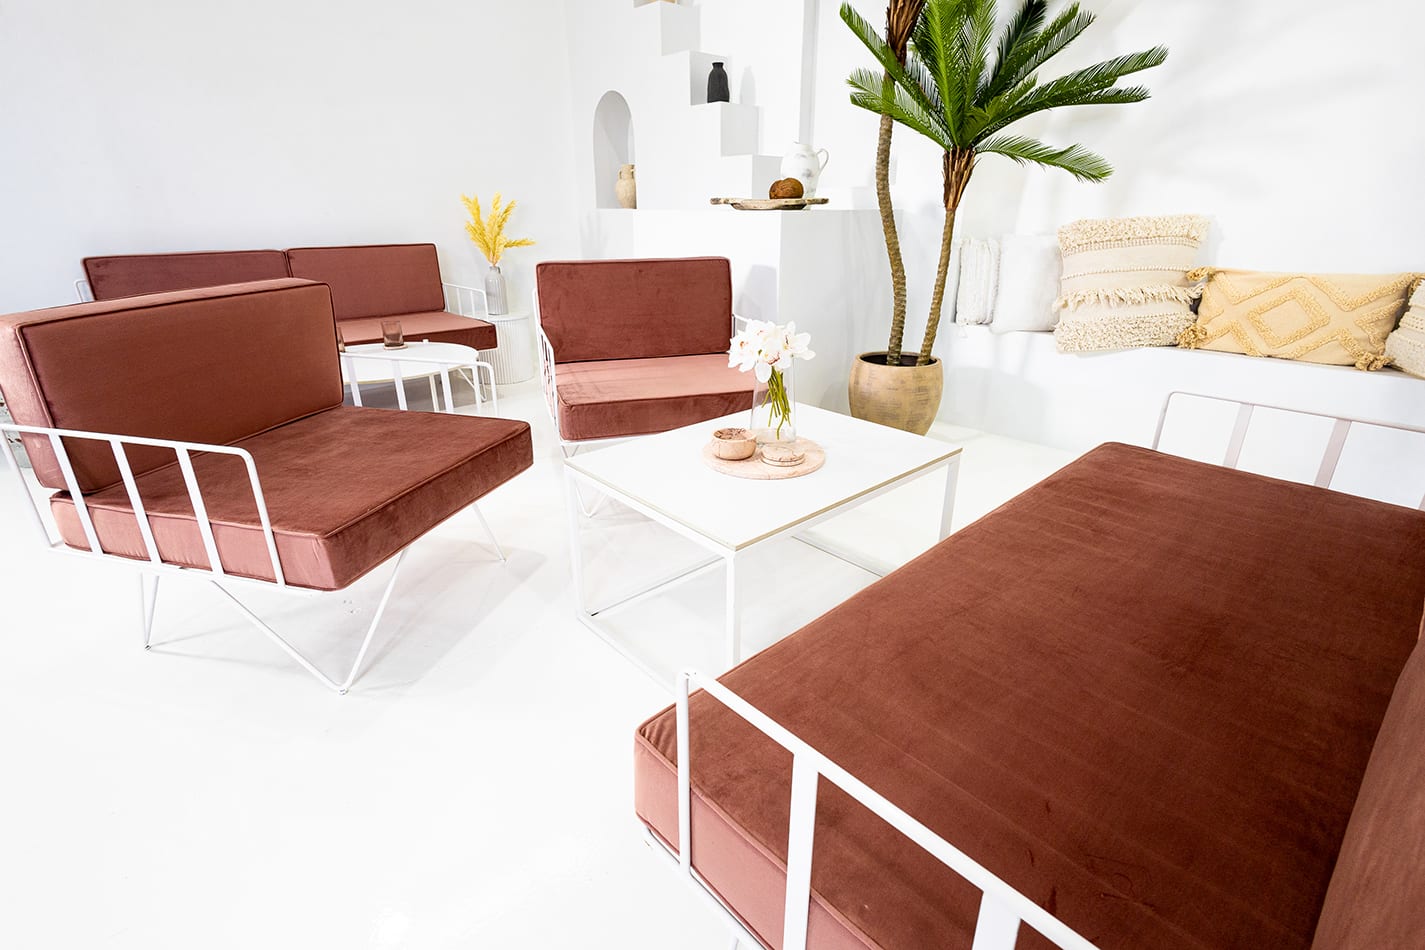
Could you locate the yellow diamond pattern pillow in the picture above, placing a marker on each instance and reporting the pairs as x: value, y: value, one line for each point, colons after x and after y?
x: 1339, y: 319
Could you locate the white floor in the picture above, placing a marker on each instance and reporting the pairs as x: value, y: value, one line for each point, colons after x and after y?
x: 474, y: 789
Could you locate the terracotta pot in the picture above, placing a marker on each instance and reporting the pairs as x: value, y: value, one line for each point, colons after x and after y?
x: 903, y: 397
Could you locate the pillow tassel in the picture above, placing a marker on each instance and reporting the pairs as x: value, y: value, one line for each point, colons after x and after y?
x: 1193, y: 337
x: 1370, y: 362
x: 1202, y: 273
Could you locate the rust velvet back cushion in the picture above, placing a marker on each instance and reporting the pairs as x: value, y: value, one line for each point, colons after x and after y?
x: 635, y: 309
x: 213, y: 365
x: 126, y: 275
x: 1337, y: 319
x: 374, y: 280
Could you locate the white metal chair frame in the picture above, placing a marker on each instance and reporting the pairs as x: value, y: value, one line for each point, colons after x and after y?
x: 1002, y: 908
x: 154, y: 567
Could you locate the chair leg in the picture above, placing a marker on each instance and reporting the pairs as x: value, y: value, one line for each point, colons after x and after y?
x: 306, y: 664
x: 148, y: 606
x: 493, y: 540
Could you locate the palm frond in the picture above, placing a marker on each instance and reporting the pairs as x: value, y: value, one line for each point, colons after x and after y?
x: 1038, y: 49
x: 911, y: 75
x: 1075, y: 159
x: 869, y: 92
x: 939, y: 45
x: 1092, y: 85
x: 979, y: 33
x: 1017, y: 35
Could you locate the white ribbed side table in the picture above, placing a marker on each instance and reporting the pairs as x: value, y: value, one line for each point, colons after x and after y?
x: 513, y: 358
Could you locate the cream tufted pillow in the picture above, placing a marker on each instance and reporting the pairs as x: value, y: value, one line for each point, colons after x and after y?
x: 1406, y: 346
x: 1125, y: 281
x: 1338, y: 319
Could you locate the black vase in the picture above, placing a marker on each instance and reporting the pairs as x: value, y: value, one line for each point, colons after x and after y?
x: 717, y: 85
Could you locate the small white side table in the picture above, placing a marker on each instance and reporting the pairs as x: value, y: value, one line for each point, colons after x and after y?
x: 374, y: 363
x: 513, y: 358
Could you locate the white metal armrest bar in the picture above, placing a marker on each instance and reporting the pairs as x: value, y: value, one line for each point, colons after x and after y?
x: 183, y: 451
x: 1002, y: 908
x: 82, y: 291
x: 460, y: 298
x: 1330, y: 457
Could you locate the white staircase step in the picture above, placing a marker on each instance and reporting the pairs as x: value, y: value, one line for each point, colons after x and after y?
x: 724, y: 128
x: 669, y: 27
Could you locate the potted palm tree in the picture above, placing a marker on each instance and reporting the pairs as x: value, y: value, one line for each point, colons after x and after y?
x: 962, y: 86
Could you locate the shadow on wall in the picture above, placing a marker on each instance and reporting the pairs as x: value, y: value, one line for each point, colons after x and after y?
x: 756, y: 298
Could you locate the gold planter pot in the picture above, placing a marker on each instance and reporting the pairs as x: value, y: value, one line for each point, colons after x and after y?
x: 903, y: 397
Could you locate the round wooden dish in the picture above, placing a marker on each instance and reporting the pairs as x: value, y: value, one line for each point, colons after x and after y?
x: 770, y: 204
x: 756, y: 468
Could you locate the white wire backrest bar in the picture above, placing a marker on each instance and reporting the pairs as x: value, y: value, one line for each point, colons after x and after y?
x: 1002, y: 908
x: 460, y: 298
x: 1330, y: 457
x: 118, y: 443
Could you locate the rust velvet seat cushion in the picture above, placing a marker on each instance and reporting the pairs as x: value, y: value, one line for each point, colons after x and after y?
x: 1144, y: 693
x: 613, y: 398
x: 125, y: 275
x: 346, y: 489
x: 437, y: 327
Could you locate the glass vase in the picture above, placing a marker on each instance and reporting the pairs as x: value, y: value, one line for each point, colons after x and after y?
x: 496, y: 299
x: 774, y: 407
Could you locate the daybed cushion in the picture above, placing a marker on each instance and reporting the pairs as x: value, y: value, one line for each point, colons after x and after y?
x: 125, y: 275
x: 346, y: 489
x: 208, y: 365
x: 613, y: 398
x: 374, y: 280
x: 1377, y: 894
x: 635, y: 309
x: 437, y: 326
x: 1143, y: 693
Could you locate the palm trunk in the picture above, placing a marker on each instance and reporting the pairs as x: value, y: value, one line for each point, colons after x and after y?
x: 959, y: 165
x: 893, y: 243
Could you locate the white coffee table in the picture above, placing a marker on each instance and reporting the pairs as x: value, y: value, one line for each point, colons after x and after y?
x: 374, y: 363
x: 664, y: 478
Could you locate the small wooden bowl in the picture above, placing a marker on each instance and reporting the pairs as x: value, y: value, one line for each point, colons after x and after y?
x: 734, y: 445
x: 782, y: 454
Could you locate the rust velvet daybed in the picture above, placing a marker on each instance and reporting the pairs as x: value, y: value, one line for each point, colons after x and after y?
x: 1144, y: 694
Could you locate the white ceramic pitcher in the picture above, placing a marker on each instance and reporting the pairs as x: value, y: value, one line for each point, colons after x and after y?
x: 805, y: 164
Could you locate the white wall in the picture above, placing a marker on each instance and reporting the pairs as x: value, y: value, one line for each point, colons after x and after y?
x: 180, y: 125
x: 1297, y: 131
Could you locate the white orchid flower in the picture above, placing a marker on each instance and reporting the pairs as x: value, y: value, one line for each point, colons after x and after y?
x: 765, y: 347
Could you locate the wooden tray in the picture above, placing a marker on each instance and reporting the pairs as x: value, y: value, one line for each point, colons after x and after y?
x: 770, y: 204
x: 755, y: 468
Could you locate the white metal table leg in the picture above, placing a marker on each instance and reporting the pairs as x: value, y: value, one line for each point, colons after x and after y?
x: 576, y: 551
x: 947, y: 511
x: 734, y: 616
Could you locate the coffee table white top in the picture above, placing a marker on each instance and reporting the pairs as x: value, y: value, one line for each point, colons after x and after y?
x: 371, y: 362
x: 666, y: 474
